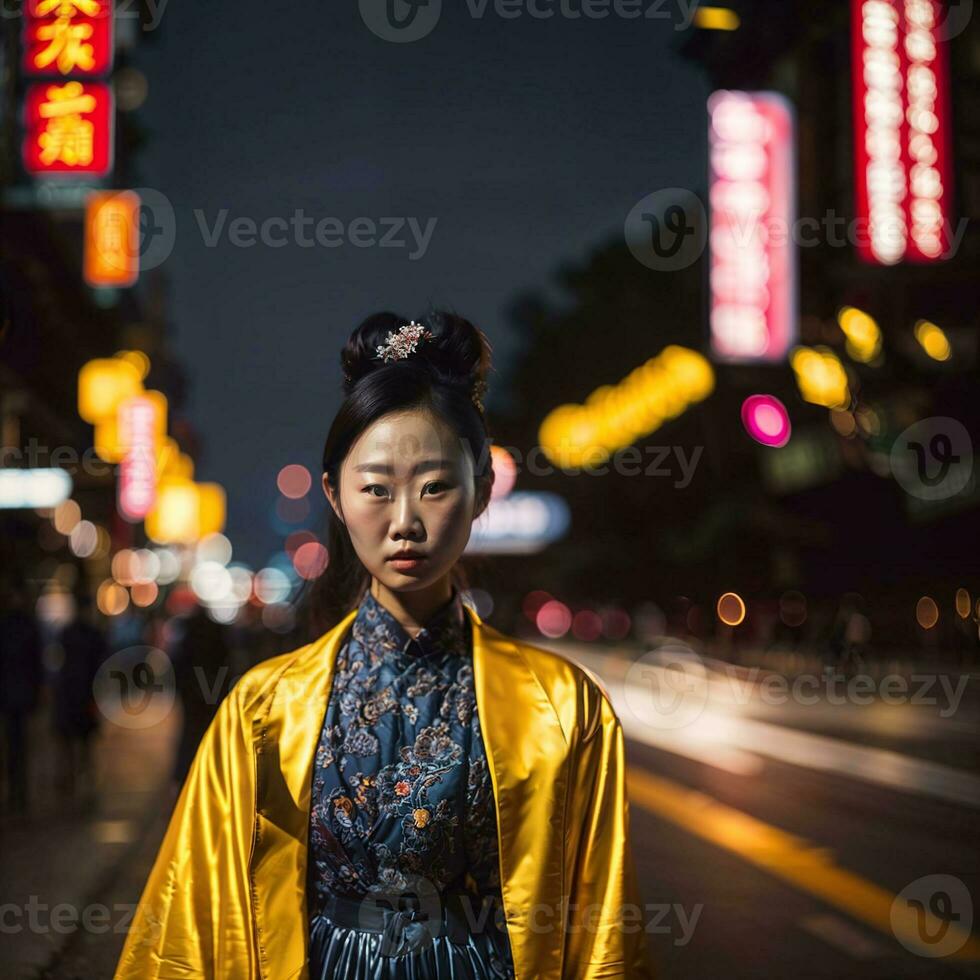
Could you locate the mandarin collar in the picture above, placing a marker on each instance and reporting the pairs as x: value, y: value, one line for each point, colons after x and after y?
x: 375, y: 626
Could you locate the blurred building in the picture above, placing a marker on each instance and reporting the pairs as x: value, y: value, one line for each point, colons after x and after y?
x: 836, y: 477
x: 54, y: 321
x: 824, y: 514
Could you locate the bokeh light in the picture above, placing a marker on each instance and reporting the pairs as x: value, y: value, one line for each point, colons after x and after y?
x: 83, y: 539
x: 144, y: 593
x: 214, y: 547
x: 169, y: 566
x: 554, y: 619
x: 504, y: 472
x: 586, y: 625
x: 310, y: 560
x: 66, y: 515
x: 933, y: 340
x: 272, y: 586
x: 862, y: 332
x: 294, y: 481
x: 211, y: 581
x: 111, y: 598
x: 926, y: 612
x: 766, y: 420
x: 731, y: 609
x: 533, y: 602
x: 963, y: 603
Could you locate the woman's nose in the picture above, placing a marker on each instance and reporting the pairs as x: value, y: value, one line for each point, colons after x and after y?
x: 405, y: 521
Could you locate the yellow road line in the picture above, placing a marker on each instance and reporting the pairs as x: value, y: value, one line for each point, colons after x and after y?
x: 795, y: 860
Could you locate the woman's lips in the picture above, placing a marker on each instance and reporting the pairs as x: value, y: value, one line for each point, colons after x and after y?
x: 405, y: 564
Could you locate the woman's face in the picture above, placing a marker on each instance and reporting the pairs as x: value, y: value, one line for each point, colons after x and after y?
x: 407, y: 482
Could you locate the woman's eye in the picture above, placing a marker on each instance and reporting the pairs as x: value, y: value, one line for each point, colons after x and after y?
x: 436, y: 486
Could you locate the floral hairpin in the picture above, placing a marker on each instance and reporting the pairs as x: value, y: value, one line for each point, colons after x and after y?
x: 399, y: 345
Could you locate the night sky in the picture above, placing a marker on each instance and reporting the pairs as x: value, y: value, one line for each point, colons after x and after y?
x: 528, y: 141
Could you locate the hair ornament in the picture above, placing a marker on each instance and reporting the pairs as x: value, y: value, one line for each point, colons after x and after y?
x: 399, y: 345
x: 404, y: 342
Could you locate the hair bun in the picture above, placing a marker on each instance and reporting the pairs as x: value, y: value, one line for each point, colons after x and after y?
x: 457, y: 353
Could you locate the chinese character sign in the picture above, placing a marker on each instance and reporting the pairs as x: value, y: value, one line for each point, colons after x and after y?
x: 112, y: 238
x: 68, y: 128
x: 902, y: 132
x: 753, y: 270
x: 68, y: 37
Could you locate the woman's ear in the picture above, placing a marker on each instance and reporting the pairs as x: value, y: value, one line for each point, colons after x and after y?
x: 332, y: 497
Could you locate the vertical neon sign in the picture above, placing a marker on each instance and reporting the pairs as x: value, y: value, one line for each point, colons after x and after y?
x: 902, y: 131
x: 753, y: 269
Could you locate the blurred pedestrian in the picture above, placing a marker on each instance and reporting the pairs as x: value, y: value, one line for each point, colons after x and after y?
x: 202, y: 677
x: 21, y: 677
x: 75, y: 713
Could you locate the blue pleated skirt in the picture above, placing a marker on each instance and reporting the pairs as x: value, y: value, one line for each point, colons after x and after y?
x: 341, y: 953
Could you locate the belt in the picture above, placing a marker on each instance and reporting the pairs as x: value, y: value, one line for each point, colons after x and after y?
x: 407, y: 930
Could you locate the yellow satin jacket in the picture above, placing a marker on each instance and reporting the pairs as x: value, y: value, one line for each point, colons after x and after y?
x: 226, y: 897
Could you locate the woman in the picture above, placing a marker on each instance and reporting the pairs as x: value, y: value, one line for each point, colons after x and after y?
x: 414, y: 794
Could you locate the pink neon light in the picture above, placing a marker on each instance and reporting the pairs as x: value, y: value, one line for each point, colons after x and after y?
x: 766, y: 420
x: 752, y: 244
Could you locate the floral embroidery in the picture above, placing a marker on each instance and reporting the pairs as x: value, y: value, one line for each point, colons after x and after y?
x: 401, y: 784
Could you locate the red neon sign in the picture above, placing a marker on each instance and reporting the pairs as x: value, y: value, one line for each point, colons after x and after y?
x: 902, y: 131
x: 752, y: 242
x: 68, y: 128
x: 68, y: 37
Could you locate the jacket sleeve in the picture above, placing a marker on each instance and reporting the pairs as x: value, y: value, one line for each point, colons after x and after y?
x: 605, y: 936
x: 194, y: 916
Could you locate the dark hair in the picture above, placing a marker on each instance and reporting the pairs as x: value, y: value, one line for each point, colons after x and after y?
x: 446, y: 374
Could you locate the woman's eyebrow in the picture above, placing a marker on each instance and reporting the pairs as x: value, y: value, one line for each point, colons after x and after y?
x: 421, y: 466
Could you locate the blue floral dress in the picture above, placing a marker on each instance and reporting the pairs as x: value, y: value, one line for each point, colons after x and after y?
x: 402, y: 796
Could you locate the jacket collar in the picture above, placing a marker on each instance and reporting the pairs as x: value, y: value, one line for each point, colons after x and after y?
x: 524, y: 749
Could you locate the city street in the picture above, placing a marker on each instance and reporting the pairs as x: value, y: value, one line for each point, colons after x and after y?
x: 647, y: 331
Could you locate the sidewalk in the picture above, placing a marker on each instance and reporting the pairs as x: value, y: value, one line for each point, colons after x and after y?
x: 62, y: 857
